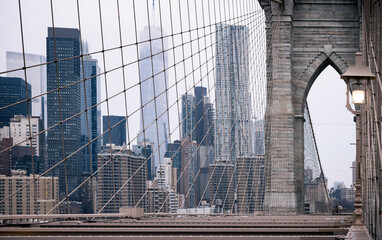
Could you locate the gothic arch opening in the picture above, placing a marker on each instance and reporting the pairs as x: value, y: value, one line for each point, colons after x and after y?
x: 333, y: 126
x: 316, y: 67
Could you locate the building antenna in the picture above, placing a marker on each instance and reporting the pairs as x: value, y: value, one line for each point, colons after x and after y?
x: 153, y: 17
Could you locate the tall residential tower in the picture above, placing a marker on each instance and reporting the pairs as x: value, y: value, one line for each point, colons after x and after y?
x: 233, y: 130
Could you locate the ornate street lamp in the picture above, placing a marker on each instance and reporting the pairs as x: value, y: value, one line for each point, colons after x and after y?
x: 358, y: 80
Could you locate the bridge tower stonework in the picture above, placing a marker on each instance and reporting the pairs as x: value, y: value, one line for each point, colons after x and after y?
x: 303, y: 38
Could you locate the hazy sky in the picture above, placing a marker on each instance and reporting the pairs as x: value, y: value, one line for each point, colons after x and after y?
x: 333, y: 124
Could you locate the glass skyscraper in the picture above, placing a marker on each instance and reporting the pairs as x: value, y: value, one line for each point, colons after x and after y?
x: 154, y: 117
x: 36, y: 77
x: 90, y: 96
x: 65, y: 138
x: 13, y: 90
x: 117, y: 133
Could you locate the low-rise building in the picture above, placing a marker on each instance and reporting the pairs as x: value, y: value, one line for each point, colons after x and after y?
x: 36, y: 198
x: 120, y: 169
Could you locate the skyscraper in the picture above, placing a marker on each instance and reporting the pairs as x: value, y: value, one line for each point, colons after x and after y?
x: 36, y: 77
x: 233, y: 129
x: 117, y: 133
x: 188, y: 117
x: 153, y: 61
x: 65, y: 138
x: 200, y: 93
x: 13, y: 90
x: 90, y: 96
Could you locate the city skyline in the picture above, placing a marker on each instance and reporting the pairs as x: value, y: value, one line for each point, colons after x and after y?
x: 154, y: 103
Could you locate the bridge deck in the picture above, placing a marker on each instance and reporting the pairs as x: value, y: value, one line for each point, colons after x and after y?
x: 225, y: 227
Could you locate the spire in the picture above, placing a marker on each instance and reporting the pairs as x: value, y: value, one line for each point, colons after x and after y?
x: 153, y: 17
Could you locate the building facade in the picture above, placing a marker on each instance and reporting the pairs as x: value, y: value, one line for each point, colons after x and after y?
x: 36, y: 77
x: 189, y: 183
x: 188, y: 120
x: 37, y: 198
x: 116, y: 173
x: 152, y: 62
x: 250, y: 184
x: 64, y: 139
x: 222, y: 189
x: 5, y: 156
x: 91, y: 119
x: 209, y: 123
x: 174, y: 151
x: 200, y: 93
x: 13, y: 90
x: 233, y: 128
x: 117, y: 133
x: 162, y: 194
x: 21, y: 128
x: 145, y: 149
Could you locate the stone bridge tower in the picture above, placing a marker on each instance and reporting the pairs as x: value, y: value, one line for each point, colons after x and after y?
x: 303, y: 38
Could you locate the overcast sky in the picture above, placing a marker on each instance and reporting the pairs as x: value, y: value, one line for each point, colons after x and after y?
x: 333, y: 125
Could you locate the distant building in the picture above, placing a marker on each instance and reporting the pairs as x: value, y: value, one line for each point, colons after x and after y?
x: 233, y: 123
x: 204, y: 117
x: 36, y: 77
x: 5, y: 156
x: 117, y: 133
x: 162, y: 196
x: 200, y: 93
x: 27, y: 151
x: 344, y: 197
x: 13, y: 90
x: 117, y: 173
x: 4, y: 132
x: 347, y: 194
x: 315, y: 194
x: 308, y: 175
x: 20, y: 130
x: 152, y: 77
x: 65, y: 138
x: 250, y: 184
x: 37, y: 198
x: 161, y: 200
x: 206, y: 157
x: 91, y: 119
x: 259, y: 137
x: 338, y: 185
x: 145, y: 149
x: 222, y: 186
x: 204, y: 185
x: 188, y: 120
x: 174, y: 151
x: 209, y: 123
x: 189, y: 182
x: 21, y: 159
